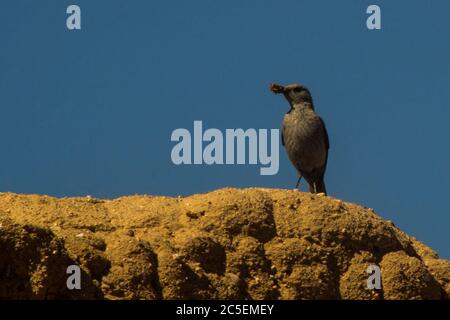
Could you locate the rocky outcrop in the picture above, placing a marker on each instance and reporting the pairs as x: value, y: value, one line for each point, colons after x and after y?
x: 227, y: 244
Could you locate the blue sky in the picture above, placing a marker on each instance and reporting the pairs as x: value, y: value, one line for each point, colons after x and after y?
x: 92, y: 111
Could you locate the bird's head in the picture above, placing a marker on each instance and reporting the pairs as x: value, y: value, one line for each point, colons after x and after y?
x: 294, y: 93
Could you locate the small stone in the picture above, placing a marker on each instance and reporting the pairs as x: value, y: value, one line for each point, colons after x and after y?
x: 390, y: 223
x: 175, y: 256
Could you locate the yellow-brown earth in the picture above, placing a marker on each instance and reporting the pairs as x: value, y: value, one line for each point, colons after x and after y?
x: 226, y: 244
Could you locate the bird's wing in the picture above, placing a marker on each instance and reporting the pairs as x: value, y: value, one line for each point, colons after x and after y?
x: 282, y: 136
x: 327, y: 145
x: 327, y: 141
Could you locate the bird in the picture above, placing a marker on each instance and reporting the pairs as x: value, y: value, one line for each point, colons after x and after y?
x: 304, y: 136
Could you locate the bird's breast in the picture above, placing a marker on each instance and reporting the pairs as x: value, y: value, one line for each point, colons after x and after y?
x: 304, y: 141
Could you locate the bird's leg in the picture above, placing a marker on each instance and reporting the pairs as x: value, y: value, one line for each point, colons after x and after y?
x: 315, y: 187
x: 298, y: 182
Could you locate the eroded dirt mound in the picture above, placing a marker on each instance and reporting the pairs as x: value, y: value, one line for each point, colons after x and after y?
x: 227, y: 244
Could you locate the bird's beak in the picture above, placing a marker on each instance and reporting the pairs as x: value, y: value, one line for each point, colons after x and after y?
x: 277, y: 88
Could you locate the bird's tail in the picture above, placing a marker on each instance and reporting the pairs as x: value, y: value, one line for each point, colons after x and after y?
x: 318, y: 186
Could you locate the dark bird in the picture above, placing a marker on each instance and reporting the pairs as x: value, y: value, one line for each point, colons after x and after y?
x: 304, y: 136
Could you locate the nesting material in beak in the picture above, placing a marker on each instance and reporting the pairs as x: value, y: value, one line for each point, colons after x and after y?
x: 276, y: 88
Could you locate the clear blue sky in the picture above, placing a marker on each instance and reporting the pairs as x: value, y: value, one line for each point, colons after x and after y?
x: 91, y: 111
